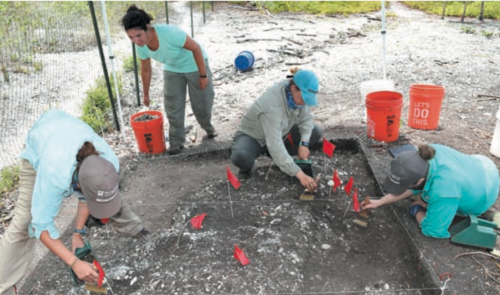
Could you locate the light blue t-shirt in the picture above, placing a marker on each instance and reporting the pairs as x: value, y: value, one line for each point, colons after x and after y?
x: 51, y: 148
x: 457, y: 183
x: 171, y: 51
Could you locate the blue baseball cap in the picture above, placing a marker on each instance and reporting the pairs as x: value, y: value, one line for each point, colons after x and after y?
x: 308, y: 84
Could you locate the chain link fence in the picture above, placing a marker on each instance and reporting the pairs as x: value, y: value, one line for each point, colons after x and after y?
x: 49, y: 57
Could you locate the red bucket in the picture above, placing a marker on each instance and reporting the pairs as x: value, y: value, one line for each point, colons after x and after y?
x: 150, y: 134
x: 383, y: 111
x: 425, y: 106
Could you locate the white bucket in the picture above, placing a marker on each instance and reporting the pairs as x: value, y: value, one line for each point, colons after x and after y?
x: 495, y: 142
x: 371, y: 86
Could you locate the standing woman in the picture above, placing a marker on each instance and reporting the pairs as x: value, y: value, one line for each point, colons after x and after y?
x: 63, y: 156
x: 184, y: 64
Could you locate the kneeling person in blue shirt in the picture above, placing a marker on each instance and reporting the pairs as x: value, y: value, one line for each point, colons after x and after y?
x: 63, y: 156
x: 450, y: 183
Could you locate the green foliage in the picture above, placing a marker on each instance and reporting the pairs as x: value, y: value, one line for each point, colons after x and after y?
x: 322, y: 7
x: 390, y: 14
x: 468, y: 30
x: 5, y: 73
x: 38, y: 66
x: 487, y: 34
x: 9, y: 178
x: 456, y: 8
x: 128, y: 64
x: 97, y: 105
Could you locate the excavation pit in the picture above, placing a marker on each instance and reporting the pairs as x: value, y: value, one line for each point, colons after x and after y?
x: 294, y: 247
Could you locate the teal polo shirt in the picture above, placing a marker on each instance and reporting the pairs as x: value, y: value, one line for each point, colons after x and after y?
x: 51, y: 147
x: 171, y: 51
x: 457, y: 183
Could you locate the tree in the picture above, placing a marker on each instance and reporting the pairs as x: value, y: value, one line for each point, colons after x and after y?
x: 481, y: 13
x: 444, y: 9
x: 465, y: 9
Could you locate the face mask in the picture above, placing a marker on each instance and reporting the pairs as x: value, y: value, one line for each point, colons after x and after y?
x: 289, y: 99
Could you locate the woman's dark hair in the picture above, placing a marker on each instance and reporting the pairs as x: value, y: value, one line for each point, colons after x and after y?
x: 87, y: 149
x: 136, y: 18
x: 426, y: 152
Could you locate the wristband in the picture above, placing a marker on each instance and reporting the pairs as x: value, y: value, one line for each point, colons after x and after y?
x: 203, y: 76
x: 73, y: 263
x: 79, y: 231
x: 304, y: 143
x: 415, y: 209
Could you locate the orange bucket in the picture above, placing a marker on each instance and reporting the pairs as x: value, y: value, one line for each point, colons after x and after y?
x: 149, y: 135
x: 425, y: 106
x: 383, y: 111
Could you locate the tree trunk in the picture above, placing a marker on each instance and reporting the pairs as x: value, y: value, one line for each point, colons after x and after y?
x: 444, y: 9
x: 481, y: 13
x: 465, y: 9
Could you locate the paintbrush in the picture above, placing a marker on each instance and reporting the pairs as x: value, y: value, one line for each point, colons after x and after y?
x: 307, y: 195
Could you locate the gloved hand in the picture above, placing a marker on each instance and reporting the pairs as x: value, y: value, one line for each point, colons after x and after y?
x: 414, y: 209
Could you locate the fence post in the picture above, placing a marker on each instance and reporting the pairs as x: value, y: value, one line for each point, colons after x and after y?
x: 103, y: 62
x: 136, y: 76
x: 203, y: 11
x: 192, y: 27
x: 166, y: 10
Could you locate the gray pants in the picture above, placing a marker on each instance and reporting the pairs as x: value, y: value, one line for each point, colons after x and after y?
x: 16, y: 246
x: 246, y: 149
x: 174, y: 88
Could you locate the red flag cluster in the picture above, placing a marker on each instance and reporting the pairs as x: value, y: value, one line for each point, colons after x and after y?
x: 232, y: 179
x: 328, y: 147
x: 347, y: 188
x: 197, y: 221
x: 240, y: 256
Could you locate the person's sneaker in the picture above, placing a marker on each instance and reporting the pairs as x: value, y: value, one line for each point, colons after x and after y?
x: 244, y: 175
x: 142, y: 234
x: 175, y: 150
x: 210, y: 135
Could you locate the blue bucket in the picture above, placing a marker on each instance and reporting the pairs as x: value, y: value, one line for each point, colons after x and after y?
x: 244, y: 61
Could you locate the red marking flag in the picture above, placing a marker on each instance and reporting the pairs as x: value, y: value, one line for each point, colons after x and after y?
x: 232, y: 179
x: 197, y: 221
x: 290, y: 139
x: 240, y: 256
x: 100, y: 271
x: 355, y: 203
x: 348, y: 186
x: 336, y: 181
x: 328, y: 147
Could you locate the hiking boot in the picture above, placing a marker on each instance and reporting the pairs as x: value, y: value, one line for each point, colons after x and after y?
x: 175, y: 150
x: 142, y: 234
x: 210, y: 135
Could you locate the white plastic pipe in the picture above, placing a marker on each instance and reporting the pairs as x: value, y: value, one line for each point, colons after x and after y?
x: 383, y: 37
x: 112, y: 60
